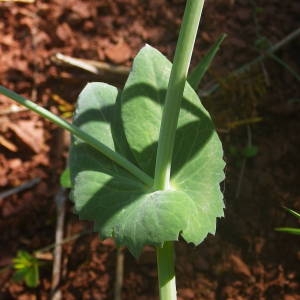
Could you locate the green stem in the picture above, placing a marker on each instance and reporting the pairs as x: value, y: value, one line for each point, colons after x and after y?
x: 285, y: 65
x: 177, y: 81
x: 112, y: 155
x: 174, y: 94
x: 166, y: 271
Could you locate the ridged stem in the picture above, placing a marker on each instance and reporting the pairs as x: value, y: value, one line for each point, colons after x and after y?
x: 177, y: 81
x: 174, y: 94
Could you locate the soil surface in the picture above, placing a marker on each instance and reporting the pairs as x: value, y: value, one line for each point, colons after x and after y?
x: 247, y: 258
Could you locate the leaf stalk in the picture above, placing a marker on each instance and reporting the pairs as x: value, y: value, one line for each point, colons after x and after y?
x: 112, y: 155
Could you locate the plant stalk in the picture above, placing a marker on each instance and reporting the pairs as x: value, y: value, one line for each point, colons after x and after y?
x: 166, y: 271
x: 181, y: 63
x: 103, y: 149
x: 177, y: 81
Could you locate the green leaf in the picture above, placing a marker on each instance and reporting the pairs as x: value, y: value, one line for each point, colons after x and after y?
x: 197, y: 167
x: 249, y: 151
x: 131, y: 214
x: 32, y: 276
x: 290, y: 230
x: 20, y: 274
x: 142, y: 103
x: 27, y: 268
x: 292, y: 212
x: 119, y: 204
x: 233, y: 151
x: 96, y: 114
x: 65, y: 179
x: 197, y: 74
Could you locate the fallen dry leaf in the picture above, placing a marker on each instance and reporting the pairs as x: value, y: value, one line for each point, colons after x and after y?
x: 239, y: 266
x: 29, y: 134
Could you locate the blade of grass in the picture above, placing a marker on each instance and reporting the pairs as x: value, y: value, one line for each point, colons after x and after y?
x: 290, y: 230
x: 292, y: 212
x: 285, y: 65
x: 199, y: 71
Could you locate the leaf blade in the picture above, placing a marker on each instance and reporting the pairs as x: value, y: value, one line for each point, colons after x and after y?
x: 118, y: 203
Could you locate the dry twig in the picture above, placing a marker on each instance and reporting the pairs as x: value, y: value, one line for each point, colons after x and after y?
x: 12, y: 109
x: 119, y: 274
x: 92, y: 66
x: 7, y: 144
x: 104, y: 71
x: 259, y: 59
x: 20, y: 1
x: 20, y: 188
x: 60, y: 200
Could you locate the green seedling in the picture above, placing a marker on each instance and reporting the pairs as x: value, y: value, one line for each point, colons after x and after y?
x: 198, y: 73
x: 290, y: 230
x: 146, y: 162
x: 65, y: 179
x: 247, y: 152
x: 294, y: 101
x: 26, y: 269
x: 262, y: 43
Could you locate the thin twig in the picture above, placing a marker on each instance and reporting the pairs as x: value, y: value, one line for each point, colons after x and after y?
x: 12, y: 109
x: 119, y: 274
x: 60, y: 200
x: 7, y: 144
x: 92, y: 66
x: 21, y: 1
x: 243, y: 167
x: 64, y: 241
x: 240, y: 179
x: 34, y: 33
x: 258, y: 35
x: 20, y: 188
x: 285, y: 40
x: 285, y: 65
x: 269, y: 51
x: 247, y: 66
x: 76, y: 62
